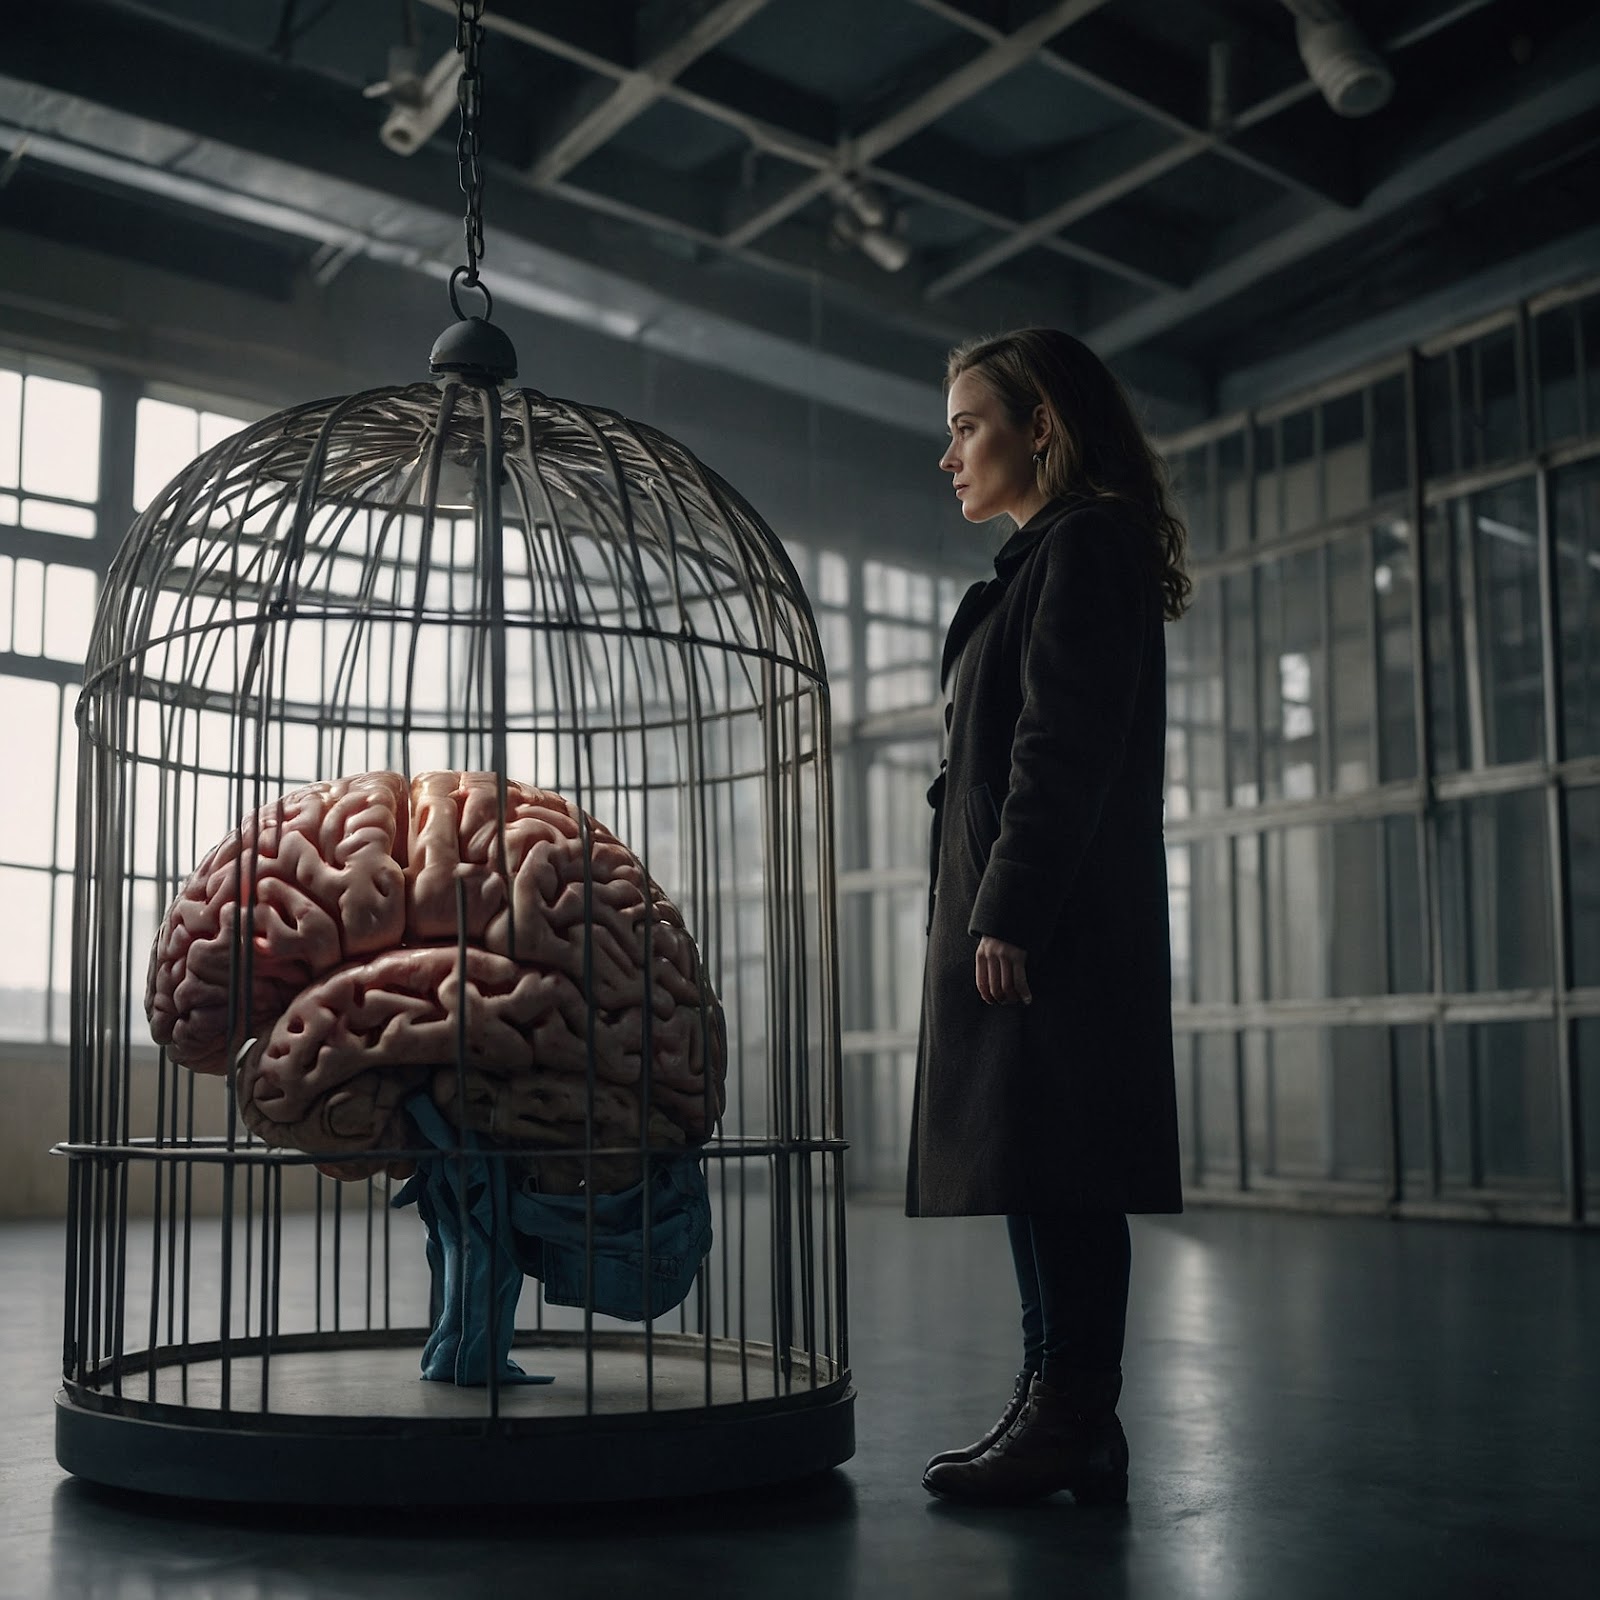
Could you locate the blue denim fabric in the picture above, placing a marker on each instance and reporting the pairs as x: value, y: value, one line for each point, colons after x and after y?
x: 511, y: 1232
x: 473, y: 1270
x: 549, y: 1239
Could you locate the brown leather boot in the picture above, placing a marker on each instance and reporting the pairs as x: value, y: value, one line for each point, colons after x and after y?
x: 1067, y: 1437
x: 1019, y: 1398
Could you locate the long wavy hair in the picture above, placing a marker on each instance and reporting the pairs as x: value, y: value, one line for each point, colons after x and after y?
x: 1096, y: 448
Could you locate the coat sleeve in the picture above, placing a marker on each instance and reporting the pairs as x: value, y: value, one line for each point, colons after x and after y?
x: 1082, y: 650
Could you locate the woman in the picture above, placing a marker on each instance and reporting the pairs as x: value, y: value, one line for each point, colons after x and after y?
x: 1044, y: 1073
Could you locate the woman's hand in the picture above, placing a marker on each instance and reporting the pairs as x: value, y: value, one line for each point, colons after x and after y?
x: 1002, y: 973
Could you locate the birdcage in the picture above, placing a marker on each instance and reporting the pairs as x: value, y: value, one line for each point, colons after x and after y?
x: 454, y: 827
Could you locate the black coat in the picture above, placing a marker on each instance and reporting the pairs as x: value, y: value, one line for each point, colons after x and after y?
x: 1048, y: 834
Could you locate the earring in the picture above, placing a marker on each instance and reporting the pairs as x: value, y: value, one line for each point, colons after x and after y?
x: 1038, y: 457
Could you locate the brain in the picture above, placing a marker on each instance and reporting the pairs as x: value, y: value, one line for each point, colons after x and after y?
x: 359, y: 997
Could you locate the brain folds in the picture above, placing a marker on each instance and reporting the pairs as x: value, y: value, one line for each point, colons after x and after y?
x: 358, y: 887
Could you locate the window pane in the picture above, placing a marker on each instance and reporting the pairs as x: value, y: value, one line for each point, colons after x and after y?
x: 1183, y: 1058
x: 48, y: 516
x: 61, y: 963
x: 1393, y: 574
x: 898, y: 817
x: 1233, y: 491
x: 897, y: 591
x: 67, y: 783
x: 1193, y: 471
x: 1437, y: 400
x: 1194, y: 706
x: 1499, y: 1108
x: 27, y: 809
x: 27, y: 626
x: 1212, y: 888
x: 166, y: 440
x: 1589, y: 321
x: 1583, y: 883
x: 1556, y: 351
x: 1408, y: 932
x: 1290, y: 593
x: 1494, y: 886
x: 1351, y: 600
x: 1240, y: 614
x: 1497, y: 422
x: 1485, y: 655
x: 1411, y: 1047
x: 1178, y: 914
x: 10, y: 428
x: 1360, y: 1109
x: 1247, y: 913
x: 1391, y: 464
x: 1288, y: 1093
x: 24, y: 952
x: 61, y: 438
x: 1355, y: 936
x: 68, y: 612
x: 1575, y: 504
x: 1269, y: 487
x: 1214, y: 1088
x: 1506, y: 534
x: 1446, y: 675
x: 214, y: 428
x: 1346, y: 471
x: 1587, y: 1067
x: 833, y: 579
x: 1319, y: 1104
x: 1298, y: 913
x: 1302, y: 503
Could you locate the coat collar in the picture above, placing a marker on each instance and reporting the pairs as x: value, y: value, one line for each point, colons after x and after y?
x: 1021, y: 544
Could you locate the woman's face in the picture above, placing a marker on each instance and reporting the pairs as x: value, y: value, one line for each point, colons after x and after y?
x: 990, y: 458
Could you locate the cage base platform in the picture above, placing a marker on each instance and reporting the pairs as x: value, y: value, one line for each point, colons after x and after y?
x: 347, y: 1420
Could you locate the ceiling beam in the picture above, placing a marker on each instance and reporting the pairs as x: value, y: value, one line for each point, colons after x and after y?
x: 704, y: 88
x: 1106, y: 179
x: 582, y: 128
x: 1296, y: 229
x: 1178, y: 105
x: 1003, y: 56
x: 1088, y: 177
x: 540, y: 281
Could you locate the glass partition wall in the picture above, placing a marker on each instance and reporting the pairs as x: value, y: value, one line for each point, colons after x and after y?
x: 1383, y: 810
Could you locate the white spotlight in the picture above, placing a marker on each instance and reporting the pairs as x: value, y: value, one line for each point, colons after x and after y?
x: 419, y: 105
x: 864, y: 218
x: 1354, y: 79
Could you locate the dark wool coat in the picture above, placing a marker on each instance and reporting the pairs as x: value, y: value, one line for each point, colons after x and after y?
x: 1047, y: 833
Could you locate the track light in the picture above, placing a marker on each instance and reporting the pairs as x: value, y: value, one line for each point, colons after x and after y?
x: 418, y: 105
x: 864, y: 219
x: 1354, y: 78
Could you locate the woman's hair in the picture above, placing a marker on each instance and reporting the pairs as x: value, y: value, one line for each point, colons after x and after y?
x: 1096, y: 447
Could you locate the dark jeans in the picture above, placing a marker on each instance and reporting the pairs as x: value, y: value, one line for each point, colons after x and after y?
x: 1072, y: 1269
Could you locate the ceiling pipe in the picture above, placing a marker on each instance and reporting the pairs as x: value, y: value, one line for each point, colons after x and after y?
x: 1354, y: 78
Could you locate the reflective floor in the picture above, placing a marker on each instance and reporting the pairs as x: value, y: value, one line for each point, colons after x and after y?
x: 1316, y: 1407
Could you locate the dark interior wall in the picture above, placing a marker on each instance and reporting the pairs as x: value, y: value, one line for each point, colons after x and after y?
x: 817, y: 473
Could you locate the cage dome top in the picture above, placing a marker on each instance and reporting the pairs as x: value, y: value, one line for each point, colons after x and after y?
x: 372, y: 500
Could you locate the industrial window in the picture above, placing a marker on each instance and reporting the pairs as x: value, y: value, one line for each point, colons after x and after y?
x: 49, y: 454
x: 167, y: 438
x: 56, y: 538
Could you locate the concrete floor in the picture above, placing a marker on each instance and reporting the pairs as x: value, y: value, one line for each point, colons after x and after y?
x: 1316, y: 1406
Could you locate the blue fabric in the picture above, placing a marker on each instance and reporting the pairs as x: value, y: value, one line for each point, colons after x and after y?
x: 549, y: 1238
x: 511, y: 1232
x: 472, y: 1270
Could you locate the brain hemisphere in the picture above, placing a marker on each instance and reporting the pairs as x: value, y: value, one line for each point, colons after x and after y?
x: 357, y: 994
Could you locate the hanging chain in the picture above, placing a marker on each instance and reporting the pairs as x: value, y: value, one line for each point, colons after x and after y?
x: 469, y: 143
